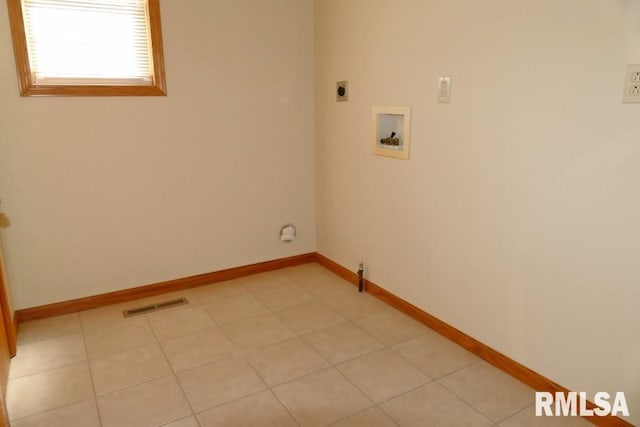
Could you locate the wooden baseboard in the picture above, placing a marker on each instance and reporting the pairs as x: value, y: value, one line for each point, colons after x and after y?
x: 14, y: 348
x: 4, y: 414
x: 87, y: 303
x: 494, y: 357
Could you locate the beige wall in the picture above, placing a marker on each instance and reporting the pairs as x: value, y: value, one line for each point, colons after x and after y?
x: 109, y: 193
x: 517, y: 218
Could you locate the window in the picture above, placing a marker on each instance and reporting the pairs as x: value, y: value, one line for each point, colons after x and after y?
x: 88, y: 47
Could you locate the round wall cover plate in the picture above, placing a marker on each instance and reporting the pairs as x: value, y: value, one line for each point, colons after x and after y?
x: 287, y: 233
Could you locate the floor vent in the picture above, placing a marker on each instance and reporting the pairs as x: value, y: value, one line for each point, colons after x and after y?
x: 154, y: 307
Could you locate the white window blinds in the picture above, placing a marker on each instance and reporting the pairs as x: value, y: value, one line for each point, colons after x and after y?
x: 88, y: 42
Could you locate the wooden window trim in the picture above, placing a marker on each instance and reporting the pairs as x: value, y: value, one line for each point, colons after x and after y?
x: 28, y: 88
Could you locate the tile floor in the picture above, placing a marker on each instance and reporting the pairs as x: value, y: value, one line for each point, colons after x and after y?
x: 294, y: 347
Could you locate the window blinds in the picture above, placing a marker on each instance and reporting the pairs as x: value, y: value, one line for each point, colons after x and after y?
x: 88, y: 42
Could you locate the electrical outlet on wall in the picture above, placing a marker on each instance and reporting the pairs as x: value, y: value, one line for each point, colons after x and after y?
x: 632, y: 85
x: 342, y: 91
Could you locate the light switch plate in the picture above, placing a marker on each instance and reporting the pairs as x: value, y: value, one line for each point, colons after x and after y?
x: 632, y: 85
x: 444, y: 89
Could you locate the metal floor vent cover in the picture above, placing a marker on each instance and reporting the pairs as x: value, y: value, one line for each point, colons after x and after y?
x: 154, y: 307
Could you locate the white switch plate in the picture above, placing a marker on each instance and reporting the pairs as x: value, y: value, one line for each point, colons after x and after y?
x: 632, y: 85
x: 444, y: 89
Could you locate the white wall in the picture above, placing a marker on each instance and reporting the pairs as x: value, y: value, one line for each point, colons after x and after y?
x: 517, y: 218
x: 109, y: 193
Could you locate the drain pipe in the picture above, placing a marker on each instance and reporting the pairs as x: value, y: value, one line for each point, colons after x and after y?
x: 360, y: 277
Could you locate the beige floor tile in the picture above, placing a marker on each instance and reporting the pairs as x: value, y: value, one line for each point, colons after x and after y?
x: 197, y: 349
x: 150, y: 404
x: 329, y: 291
x: 310, y: 317
x: 223, y: 370
x: 527, y: 418
x: 283, y: 297
x: 175, y: 323
x: 373, y: 417
x: 321, y: 398
x: 236, y: 308
x: 392, y: 327
x: 264, y: 281
x: 258, y: 331
x: 82, y: 414
x: 127, y: 368
x: 435, y: 355
x: 433, y: 405
x: 119, y: 337
x: 106, y: 316
x: 42, y: 329
x: 260, y: 409
x: 215, y: 291
x: 219, y: 382
x: 328, y: 275
x: 285, y: 361
x: 185, y: 422
x: 326, y: 285
x: 48, y: 390
x: 355, y: 305
x: 489, y: 390
x: 383, y: 375
x: 342, y: 342
x: 48, y: 354
x: 306, y: 272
